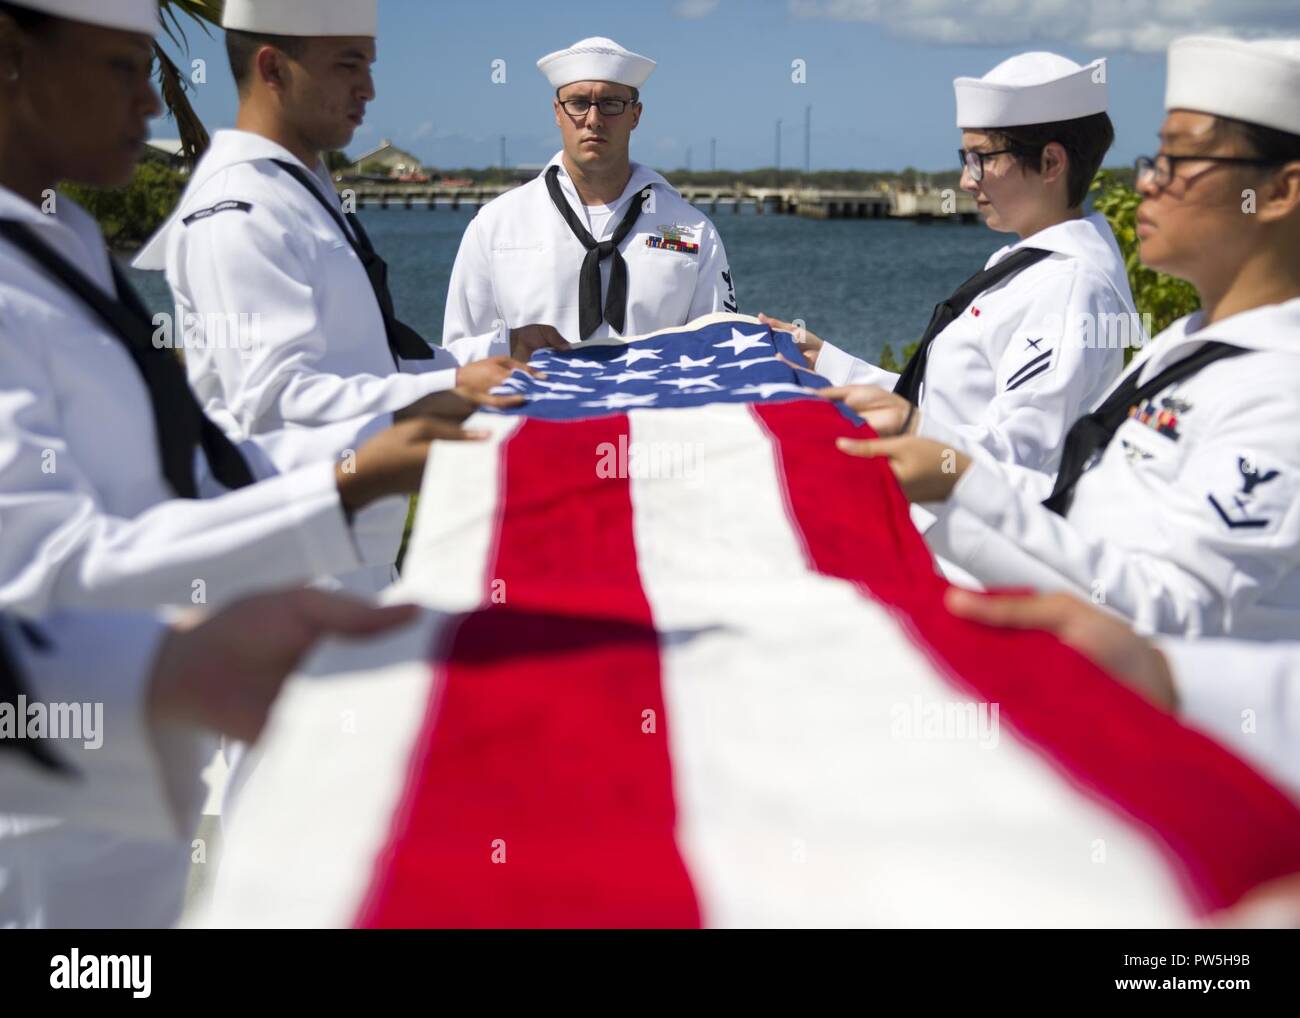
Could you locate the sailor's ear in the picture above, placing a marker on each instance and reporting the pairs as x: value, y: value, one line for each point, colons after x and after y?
x: 636, y: 115
x: 1279, y: 197
x: 559, y: 110
x: 270, y: 67
x: 1054, y: 163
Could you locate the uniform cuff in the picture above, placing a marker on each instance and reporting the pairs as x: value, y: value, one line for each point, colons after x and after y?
x: 477, y: 348
x: 325, y: 537
x: 834, y: 364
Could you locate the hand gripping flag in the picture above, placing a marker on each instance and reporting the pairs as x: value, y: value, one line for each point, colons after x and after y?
x: 686, y: 663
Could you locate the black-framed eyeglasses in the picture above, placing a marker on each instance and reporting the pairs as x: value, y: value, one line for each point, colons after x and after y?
x: 607, y: 107
x: 1160, y: 169
x: 974, y: 161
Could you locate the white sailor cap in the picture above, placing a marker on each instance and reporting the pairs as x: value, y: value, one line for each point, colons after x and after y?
x: 307, y: 18
x: 128, y: 15
x: 1031, y: 88
x: 595, y: 59
x: 1258, y: 82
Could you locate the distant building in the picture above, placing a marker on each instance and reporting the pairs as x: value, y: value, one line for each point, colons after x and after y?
x: 386, y: 161
x: 166, y: 150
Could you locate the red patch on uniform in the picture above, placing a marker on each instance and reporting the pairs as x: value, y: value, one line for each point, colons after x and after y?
x: 975, y: 312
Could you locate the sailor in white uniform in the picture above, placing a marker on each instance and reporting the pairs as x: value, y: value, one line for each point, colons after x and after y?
x: 596, y: 245
x: 106, y: 721
x: 1037, y: 337
x: 116, y: 492
x: 1178, y: 499
x: 259, y: 239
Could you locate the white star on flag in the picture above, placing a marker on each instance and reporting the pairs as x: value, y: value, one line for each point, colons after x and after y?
x: 632, y: 356
x: 740, y: 342
x: 766, y: 389
x: 705, y: 381
x: 577, y: 363
x: 618, y: 400
x: 742, y: 365
x: 561, y: 386
x: 631, y: 376
x: 564, y: 374
x: 685, y: 363
x: 538, y: 396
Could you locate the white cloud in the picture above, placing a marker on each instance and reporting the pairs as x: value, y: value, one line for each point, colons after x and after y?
x: 1102, y: 25
x: 694, y: 8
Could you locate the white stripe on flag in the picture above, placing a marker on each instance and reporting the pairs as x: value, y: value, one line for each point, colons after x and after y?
x: 451, y: 547
x: 799, y: 801
x: 327, y: 785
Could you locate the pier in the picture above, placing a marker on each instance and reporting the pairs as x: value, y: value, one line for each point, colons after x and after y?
x: 941, y: 205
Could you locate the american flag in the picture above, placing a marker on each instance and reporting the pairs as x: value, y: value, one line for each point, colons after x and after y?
x: 684, y: 663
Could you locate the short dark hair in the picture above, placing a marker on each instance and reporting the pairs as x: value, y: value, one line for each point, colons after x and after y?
x: 1263, y: 142
x: 26, y: 18
x: 1086, y: 141
x: 243, y: 47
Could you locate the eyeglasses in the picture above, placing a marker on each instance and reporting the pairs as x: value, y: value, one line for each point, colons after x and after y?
x: 1160, y: 169
x: 607, y: 107
x: 974, y: 161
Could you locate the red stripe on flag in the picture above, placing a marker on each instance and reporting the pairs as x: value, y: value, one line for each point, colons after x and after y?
x: 1225, y: 827
x: 539, y: 799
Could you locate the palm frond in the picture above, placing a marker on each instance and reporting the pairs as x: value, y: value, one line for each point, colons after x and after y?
x: 171, y: 82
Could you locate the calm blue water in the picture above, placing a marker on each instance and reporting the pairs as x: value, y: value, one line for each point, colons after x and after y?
x: 858, y: 282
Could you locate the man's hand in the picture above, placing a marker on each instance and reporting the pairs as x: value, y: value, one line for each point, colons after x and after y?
x: 483, y: 376
x: 888, y: 414
x: 926, y: 470
x: 1271, y: 906
x: 528, y: 340
x: 810, y: 345
x: 225, y: 673
x: 1107, y: 641
x: 392, y: 463
x: 455, y: 404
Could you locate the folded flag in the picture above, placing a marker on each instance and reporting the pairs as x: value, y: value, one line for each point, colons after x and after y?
x: 686, y: 663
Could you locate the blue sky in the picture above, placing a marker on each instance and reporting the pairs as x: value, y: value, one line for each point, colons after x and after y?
x: 878, y: 73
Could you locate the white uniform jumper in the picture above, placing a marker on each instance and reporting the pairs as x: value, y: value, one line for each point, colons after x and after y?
x: 1026, y: 358
x: 519, y: 264
x: 248, y: 244
x: 89, y: 520
x: 1189, y: 523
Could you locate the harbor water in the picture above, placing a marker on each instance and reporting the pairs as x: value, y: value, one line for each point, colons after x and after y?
x: 858, y: 282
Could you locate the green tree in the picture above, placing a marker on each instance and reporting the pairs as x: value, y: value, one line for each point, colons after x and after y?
x: 130, y: 215
x: 891, y: 363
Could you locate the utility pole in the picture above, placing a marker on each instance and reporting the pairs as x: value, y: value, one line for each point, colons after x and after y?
x: 807, y: 139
